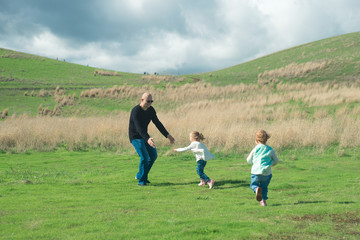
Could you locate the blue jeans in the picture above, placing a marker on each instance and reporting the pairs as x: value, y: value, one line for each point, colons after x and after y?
x: 200, y: 170
x: 260, y: 181
x: 147, y: 156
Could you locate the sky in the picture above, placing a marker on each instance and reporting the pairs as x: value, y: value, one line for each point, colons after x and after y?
x: 169, y: 36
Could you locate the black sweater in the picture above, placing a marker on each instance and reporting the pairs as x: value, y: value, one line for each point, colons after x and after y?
x: 139, y: 122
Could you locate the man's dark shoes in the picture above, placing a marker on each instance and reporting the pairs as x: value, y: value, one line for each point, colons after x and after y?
x: 147, y: 181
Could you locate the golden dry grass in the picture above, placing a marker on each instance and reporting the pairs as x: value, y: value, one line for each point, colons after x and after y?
x: 46, y: 133
x: 162, y: 78
x: 292, y: 70
x: 4, y: 113
x: 295, y: 115
x: 106, y: 73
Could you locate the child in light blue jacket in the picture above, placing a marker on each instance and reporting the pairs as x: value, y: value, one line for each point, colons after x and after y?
x: 262, y: 157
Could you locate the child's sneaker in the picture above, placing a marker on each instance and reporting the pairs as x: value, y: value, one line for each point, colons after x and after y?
x: 211, y: 183
x: 202, y: 182
x: 263, y: 203
x: 259, y: 194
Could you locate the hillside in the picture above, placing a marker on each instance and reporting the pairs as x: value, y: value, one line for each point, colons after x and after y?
x: 333, y: 59
x: 48, y: 103
x: 340, y: 55
x: 24, y: 76
x: 26, y: 71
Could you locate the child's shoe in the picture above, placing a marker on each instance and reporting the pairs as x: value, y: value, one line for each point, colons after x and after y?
x: 202, y: 182
x: 259, y: 194
x: 211, y: 183
x: 263, y: 203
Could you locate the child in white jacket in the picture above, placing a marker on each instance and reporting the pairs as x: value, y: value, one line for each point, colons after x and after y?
x: 202, y: 155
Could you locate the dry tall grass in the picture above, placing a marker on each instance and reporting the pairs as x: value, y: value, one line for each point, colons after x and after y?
x: 162, y: 78
x: 180, y: 95
x: 105, y: 73
x: 293, y: 70
x: 47, y: 133
x: 296, y: 115
x: 4, y: 113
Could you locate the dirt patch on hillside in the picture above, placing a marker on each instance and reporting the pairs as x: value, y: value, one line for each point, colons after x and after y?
x: 348, y: 218
x: 347, y: 223
x: 5, y: 79
x: 195, y: 79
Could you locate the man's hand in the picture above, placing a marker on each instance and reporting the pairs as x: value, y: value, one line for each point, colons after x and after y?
x: 151, y: 142
x: 171, y: 139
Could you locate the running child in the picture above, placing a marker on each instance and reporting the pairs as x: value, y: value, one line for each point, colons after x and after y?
x: 262, y: 158
x: 202, y: 155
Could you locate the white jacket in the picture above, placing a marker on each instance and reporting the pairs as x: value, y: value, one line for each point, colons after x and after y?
x: 199, y: 149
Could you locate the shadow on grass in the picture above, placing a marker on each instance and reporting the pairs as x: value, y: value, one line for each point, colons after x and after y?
x: 225, y: 184
x: 221, y: 184
x: 166, y: 184
x: 310, y: 202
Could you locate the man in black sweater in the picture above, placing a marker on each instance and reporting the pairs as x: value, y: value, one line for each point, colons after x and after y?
x: 140, y: 117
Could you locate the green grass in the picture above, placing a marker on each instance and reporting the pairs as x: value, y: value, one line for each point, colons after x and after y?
x: 93, y: 195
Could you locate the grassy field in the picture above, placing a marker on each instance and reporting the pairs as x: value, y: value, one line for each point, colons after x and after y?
x: 67, y: 168
x: 93, y: 195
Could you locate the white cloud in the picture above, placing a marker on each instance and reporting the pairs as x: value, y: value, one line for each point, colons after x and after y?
x: 47, y: 44
x: 179, y: 36
x: 292, y: 21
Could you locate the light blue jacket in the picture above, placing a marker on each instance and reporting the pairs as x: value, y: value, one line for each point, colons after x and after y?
x: 262, y: 157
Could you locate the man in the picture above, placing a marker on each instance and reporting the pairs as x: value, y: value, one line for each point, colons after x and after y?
x: 140, y: 117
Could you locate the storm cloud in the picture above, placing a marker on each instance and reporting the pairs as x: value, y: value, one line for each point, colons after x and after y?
x: 169, y: 36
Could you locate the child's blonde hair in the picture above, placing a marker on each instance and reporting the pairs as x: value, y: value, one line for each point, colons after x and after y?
x: 197, y: 135
x: 262, y: 136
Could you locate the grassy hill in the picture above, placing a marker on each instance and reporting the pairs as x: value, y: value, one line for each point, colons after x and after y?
x: 340, y: 55
x: 22, y: 75
x: 314, y: 86
x: 26, y: 71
